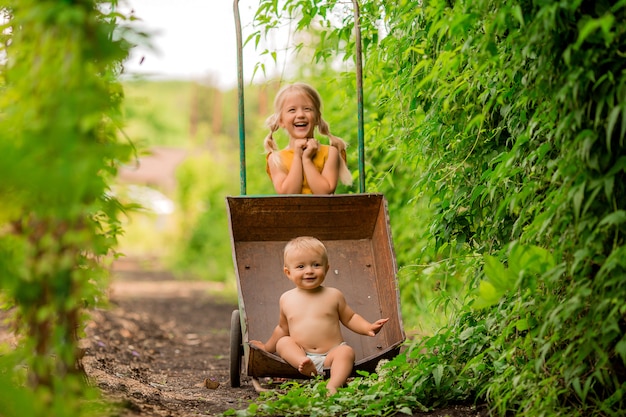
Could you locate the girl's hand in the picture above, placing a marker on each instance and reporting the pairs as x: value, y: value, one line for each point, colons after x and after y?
x: 310, y: 150
x: 299, y: 146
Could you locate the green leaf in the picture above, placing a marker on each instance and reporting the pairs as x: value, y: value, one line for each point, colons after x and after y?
x: 437, y: 375
x: 620, y: 348
x: 612, y: 121
x: 498, y: 275
x: 582, y: 391
x: 467, y: 333
x: 592, y: 25
x: 516, y: 10
x: 487, y: 296
x: 614, y: 219
x: 521, y: 325
x: 406, y: 410
x: 578, y: 194
x: 533, y: 259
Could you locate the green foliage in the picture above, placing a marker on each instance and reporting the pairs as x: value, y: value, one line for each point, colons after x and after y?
x: 497, y: 130
x: 526, y: 266
x: 182, y: 114
x: 518, y: 144
x: 60, y: 107
x: 203, y: 182
x: 145, y: 104
x: 17, y: 400
x: 194, y: 241
x: 366, y: 395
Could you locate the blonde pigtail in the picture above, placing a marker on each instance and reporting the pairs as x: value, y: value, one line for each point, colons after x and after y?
x: 345, y: 176
x: 270, y: 144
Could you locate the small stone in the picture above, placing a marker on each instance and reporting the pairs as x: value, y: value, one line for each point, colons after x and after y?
x: 211, y: 383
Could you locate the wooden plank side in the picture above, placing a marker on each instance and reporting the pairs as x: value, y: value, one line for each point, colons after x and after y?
x: 262, y: 282
x: 263, y: 364
x: 276, y: 218
x: 386, y: 273
x: 352, y: 271
x: 356, y: 231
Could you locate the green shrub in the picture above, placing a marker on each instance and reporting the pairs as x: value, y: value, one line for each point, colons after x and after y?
x: 59, y: 150
x: 509, y: 119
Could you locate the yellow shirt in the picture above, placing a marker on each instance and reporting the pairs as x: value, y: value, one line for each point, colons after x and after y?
x: 286, y: 157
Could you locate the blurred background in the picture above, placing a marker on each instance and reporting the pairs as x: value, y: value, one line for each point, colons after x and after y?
x: 181, y: 112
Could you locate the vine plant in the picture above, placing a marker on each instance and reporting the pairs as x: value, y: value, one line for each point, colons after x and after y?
x: 59, y: 150
x: 509, y: 119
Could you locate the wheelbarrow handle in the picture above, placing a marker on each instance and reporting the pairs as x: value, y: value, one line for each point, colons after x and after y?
x: 359, y: 87
x: 359, y: 94
x: 240, y: 98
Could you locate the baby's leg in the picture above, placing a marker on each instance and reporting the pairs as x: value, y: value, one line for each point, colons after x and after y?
x: 290, y: 351
x: 341, y: 361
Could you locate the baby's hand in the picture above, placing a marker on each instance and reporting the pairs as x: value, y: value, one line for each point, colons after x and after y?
x: 258, y: 344
x: 377, y: 325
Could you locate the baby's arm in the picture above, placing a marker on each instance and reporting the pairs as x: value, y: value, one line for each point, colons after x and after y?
x: 359, y: 325
x: 270, y: 345
x: 356, y: 322
x: 281, y: 330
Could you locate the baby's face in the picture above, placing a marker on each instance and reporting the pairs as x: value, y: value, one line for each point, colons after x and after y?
x: 306, y: 268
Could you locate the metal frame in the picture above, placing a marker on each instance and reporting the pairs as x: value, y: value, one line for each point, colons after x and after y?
x: 359, y: 88
x: 357, y: 232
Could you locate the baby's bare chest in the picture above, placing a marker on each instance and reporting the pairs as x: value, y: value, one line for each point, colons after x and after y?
x: 298, y: 312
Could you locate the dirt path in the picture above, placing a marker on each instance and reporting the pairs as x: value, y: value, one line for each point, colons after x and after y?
x: 153, y: 350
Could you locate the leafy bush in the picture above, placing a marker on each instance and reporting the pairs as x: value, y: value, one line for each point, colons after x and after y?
x: 204, y: 249
x: 509, y: 119
x: 522, y: 131
x: 60, y: 107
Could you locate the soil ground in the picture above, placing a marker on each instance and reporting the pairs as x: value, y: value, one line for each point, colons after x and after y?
x: 161, y: 349
x: 151, y: 351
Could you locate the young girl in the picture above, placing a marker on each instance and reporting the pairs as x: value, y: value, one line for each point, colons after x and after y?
x: 304, y: 166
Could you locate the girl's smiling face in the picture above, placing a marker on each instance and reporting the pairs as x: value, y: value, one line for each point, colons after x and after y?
x: 298, y: 116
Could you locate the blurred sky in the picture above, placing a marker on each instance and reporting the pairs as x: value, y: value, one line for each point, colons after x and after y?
x: 194, y: 39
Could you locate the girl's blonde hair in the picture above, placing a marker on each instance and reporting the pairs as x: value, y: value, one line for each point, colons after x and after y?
x: 272, y: 123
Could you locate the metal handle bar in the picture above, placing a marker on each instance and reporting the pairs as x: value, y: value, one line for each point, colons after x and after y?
x: 359, y: 88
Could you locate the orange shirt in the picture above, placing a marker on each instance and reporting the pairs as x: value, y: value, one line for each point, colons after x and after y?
x: 286, y: 156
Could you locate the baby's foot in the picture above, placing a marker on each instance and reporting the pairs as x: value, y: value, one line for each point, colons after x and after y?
x: 307, y: 367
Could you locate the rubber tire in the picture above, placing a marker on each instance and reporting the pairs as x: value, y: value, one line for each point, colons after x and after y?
x: 236, y: 349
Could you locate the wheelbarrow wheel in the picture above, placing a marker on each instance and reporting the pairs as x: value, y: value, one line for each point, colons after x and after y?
x: 236, y: 349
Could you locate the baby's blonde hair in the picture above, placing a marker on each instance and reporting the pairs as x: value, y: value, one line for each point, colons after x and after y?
x: 307, y: 243
x: 272, y: 123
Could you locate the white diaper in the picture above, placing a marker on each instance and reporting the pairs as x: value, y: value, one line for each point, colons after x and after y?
x: 319, y: 358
